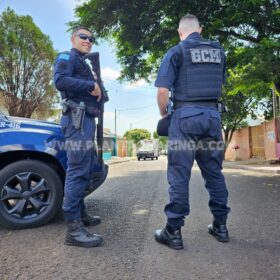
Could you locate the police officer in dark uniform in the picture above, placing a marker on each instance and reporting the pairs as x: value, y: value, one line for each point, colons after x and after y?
x: 194, y: 71
x: 79, y: 91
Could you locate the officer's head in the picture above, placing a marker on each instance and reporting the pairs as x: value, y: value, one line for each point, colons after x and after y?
x: 187, y: 25
x: 82, y: 39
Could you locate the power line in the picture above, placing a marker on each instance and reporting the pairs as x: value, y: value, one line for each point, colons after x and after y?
x: 130, y: 93
x: 136, y: 113
x: 116, y: 82
x: 136, y: 108
x: 147, y: 118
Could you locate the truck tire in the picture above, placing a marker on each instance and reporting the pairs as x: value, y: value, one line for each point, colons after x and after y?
x: 31, y: 193
x: 156, y: 158
x: 138, y: 158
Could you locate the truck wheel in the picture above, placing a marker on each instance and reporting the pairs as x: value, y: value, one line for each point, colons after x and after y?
x: 152, y: 158
x: 31, y: 193
x: 139, y: 158
x: 156, y: 158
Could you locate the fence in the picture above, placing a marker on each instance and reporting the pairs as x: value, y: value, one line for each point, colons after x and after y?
x: 262, y: 141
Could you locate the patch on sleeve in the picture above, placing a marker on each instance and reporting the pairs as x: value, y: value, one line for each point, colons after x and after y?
x: 63, y: 56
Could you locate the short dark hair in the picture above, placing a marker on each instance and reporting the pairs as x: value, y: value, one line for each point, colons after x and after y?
x: 77, y: 28
x: 190, y: 17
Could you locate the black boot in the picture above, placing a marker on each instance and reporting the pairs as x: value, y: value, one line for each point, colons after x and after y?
x: 77, y: 235
x: 169, y: 237
x: 91, y: 221
x: 219, y: 231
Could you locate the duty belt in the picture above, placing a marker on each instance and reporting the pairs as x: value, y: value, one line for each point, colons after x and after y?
x: 69, y: 105
x: 78, y: 111
x: 180, y: 104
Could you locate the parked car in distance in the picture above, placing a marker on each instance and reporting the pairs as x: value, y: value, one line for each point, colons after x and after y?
x: 148, y: 149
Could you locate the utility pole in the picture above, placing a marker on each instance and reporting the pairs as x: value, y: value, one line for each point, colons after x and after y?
x: 115, y: 148
x: 116, y: 123
x: 274, y: 103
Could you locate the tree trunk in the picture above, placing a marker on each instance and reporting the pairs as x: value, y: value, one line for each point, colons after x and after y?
x: 228, y: 133
x: 277, y: 86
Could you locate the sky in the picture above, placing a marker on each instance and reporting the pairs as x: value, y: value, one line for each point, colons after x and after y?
x: 135, y: 103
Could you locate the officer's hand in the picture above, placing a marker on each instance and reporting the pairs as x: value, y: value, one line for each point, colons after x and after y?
x: 163, y: 113
x: 97, y: 92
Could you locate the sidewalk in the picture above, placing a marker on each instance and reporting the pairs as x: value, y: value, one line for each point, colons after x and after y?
x: 114, y: 160
x: 254, y: 164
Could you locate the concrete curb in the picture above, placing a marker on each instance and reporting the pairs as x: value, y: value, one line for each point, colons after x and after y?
x: 262, y: 169
x: 111, y: 162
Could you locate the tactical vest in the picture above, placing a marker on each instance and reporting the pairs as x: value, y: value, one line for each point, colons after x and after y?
x: 201, y: 74
x: 81, y: 71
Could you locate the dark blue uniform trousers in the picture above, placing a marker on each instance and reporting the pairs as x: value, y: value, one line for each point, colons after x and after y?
x: 195, y: 134
x: 81, y: 158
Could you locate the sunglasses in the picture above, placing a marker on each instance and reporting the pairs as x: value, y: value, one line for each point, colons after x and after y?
x: 85, y: 37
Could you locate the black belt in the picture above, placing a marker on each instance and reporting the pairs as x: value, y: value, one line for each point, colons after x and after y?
x: 180, y: 104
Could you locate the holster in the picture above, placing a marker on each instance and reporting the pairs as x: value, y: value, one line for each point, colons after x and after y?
x: 222, y: 108
x: 163, y: 126
x: 77, y: 112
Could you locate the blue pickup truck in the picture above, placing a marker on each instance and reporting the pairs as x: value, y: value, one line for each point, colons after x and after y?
x: 32, y: 172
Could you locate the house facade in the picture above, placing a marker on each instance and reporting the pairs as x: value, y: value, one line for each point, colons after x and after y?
x: 261, y: 141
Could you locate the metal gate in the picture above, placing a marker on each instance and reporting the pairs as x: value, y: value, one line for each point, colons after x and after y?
x: 257, y: 141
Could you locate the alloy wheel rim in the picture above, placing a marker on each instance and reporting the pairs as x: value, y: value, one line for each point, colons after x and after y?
x: 25, y: 195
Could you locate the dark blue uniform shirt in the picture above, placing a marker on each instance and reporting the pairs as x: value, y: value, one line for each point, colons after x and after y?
x: 73, y: 76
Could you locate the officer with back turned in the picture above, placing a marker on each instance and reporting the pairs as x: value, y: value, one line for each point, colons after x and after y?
x: 80, y: 94
x: 194, y: 70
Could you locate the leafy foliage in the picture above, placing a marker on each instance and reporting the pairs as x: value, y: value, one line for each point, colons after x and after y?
x: 243, y: 98
x: 26, y: 58
x: 143, y: 30
x: 136, y: 135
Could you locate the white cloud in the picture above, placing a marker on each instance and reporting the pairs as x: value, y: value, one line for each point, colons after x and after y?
x: 109, y: 115
x: 109, y: 74
x: 140, y: 83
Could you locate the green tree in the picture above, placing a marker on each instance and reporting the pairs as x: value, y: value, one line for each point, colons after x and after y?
x: 239, y: 107
x: 155, y: 135
x: 244, y: 95
x: 26, y: 59
x: 143, y: 30
x: 136, y: 135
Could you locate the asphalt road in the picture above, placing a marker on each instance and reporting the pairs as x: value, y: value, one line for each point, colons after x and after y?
x: 131, y: 204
